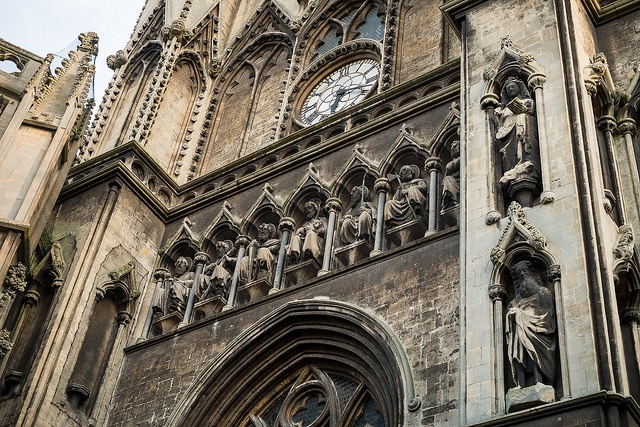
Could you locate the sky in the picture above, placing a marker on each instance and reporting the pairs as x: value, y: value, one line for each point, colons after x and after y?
x: 50, y: 26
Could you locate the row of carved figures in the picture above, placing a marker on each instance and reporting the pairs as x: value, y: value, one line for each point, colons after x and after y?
x: 306, y: 251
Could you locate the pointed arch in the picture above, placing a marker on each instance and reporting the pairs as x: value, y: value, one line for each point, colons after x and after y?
x: 291, y: 340
x: 135, y: 81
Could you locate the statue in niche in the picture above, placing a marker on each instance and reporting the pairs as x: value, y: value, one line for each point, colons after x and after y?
x: 308, y: 240
x: 262, y: 255
x: 175, y: 294
x: 517, y: 136
x: 531, y: 328
x: 217, y: 276
x: 410, y: 199
x: 451, y: 180
x: 358, y: 223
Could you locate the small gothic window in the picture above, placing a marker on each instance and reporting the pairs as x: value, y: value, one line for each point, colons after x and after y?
x: 321, y: 398
x: 372, y: 27
x: 365, y: 21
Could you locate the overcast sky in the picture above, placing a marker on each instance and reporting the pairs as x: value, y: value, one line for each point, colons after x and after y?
x: 50, y: 26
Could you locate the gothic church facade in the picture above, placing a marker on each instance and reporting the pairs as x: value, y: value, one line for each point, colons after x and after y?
x: 327, y: 213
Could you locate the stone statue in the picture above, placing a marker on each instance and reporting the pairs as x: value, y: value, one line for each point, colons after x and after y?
x: 358, y: 223
x: 451, y: 180
x: 410, y: 199
x: 531, y: 328
x: 217, y: 276
x: 308, y: 240
x: 518, y: 138
x: 175, y: 294
x: 262, y: 255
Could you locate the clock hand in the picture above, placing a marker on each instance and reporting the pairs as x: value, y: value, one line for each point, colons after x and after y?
x: 340, y: 93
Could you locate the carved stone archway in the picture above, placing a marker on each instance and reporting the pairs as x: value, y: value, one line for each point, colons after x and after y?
x: 305, y: 347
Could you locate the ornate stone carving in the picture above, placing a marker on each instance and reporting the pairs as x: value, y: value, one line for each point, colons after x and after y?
x: 358, y: 223
x: 630, y: 315
x: 410, y: 199
x: 451, y: 180
x: 308, y: 240
x: 624, y: 243
x: 89, y: 42
x: 497, y: 292
x: 116, y: 61
x: 15, y: 281
x: 523, y: 227
x: 595, y: 73
x: 531, y: 328
x: 5, y: 342
x: 262, y: 255
x: 177, y: 30
x: 217, y: 276
x: 175, y: 294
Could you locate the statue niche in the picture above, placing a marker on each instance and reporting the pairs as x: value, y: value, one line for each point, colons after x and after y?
x: 409, y: 202
x: 217, y: 276
x: 531, y: 339
x: 307, y: 243
x: 451, y: 180
x: 262, y: 255
x: 358, y: 223
x: 173, y: 297
x: 517, y: 142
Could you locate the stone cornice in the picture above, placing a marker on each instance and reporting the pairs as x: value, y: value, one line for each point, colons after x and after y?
x: 170, y: 201
x: 455, y: 10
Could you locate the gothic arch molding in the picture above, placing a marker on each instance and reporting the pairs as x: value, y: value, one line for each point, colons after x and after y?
x: 328, y: 333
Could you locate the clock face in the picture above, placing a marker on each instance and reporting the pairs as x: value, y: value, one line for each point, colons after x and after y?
x: 341, y: 89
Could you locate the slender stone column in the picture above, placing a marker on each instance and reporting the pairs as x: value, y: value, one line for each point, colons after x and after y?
x: 628, y: 129
x: 200, y: 259
x: 607, y: 124
x: 286, y: 226
x: 382, y: 187
x: 631, y: 319
x: 555, y: 276
x: 433, y: 165
x: 159, y: 275
x: 333, y: 206
x: 241, y: 242
x: 536, y: 82
x: 489, y: 103
x: 498, y: 293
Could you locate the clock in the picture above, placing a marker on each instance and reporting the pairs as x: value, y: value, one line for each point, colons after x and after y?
x: 341, y: 89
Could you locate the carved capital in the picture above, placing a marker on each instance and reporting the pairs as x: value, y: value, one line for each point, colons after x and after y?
x: 607, y: 123
x: 382, y: 185
x: 201, y: 258
x: 433, y: 164
x: 333, y: 205
x: 489, y: 101
x: 536, y: 81
x: 31, y: 297
x: 123, y: 318
x: 160, y: 274
x: 286, y: 224
x: 630, y: 315
x: 627, y: 126
x: 243, y: 241
x: 100, y: 293
x: 497, y: 292
x: 554, y: 273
